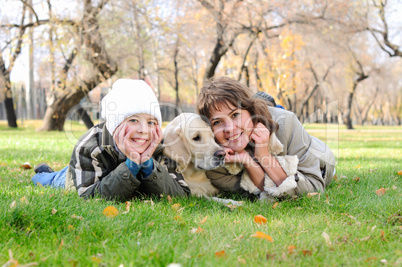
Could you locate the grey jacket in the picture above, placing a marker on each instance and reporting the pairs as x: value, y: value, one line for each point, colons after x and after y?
x: 98, y: 168
x: 308, y: 162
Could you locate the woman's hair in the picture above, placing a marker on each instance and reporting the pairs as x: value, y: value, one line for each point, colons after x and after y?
x: 227, y: 91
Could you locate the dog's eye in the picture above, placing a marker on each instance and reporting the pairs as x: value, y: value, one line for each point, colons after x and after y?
x: 197, y: 138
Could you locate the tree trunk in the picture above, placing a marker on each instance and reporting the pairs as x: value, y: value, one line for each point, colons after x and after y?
x: 9, y: 104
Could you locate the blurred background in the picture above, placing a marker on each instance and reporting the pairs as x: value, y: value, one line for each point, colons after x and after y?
x: 335, y: 61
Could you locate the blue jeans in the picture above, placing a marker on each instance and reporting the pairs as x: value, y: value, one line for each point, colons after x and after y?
x: 52, y: 179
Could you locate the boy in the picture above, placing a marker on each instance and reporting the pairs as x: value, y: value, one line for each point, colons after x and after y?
x: 114, y: 159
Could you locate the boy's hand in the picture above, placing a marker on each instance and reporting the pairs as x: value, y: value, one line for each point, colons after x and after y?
x: 156, y: 138
x: 122, y: 139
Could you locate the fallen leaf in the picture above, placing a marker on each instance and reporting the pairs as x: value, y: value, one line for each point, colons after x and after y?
x: 335, y: 177
x: 307, y: 252
x: 269, y: 256
x: 357, y: 179
x: 291, y: 249
x: 343, y: 177
x: 311, y: 195
x: 196, y: 230
x: 326, y: 199
x: 149, y: 201
x: 220, y: 254
x: 128, y: 205
x: 327, y: 238
x: 169, y: 199
x: 96, y: 260
x: 382, y: 233
x: 275, y: 205
x: 261, y: 235
x: 39, y: 184
x: 232, y: 207
x: 371, y: 259
x: 384, y: 261
x: 259, y: 219
x: 176, y: 206
x: 61, y: 244
x: 26, y: 166
x: 54, y: 211
x: 203, y: 220
x: 380, y: 192
x: 400, y: 172
x: 394, y: 187
x: 373, y: 170
x: 358, y: 166
x: 241, y: 260
x: 13, y: 204
x: 77, y: 217
x: 365, y: 238
x: 110, y: 212
x: 238, y: 238
x: 24, y: 200
x: 150, y: 224
x: 70, y: 227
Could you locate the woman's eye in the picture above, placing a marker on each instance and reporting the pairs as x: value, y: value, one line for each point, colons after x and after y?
x: 197, y: 138
x: 234, y: 115
x: 215, y: 123
x: 152, y: 123
x: 134, y: 120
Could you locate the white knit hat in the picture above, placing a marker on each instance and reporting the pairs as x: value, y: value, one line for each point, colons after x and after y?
x: 129, y: 97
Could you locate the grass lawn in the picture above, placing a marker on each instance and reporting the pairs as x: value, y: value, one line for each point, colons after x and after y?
x: 348, y: 225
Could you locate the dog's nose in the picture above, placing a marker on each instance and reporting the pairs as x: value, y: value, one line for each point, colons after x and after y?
x: 220, y: 154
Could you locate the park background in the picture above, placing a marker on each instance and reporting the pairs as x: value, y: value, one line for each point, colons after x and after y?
x: 336, y: 64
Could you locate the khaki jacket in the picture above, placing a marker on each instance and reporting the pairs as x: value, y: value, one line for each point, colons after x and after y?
x: 308, y: 162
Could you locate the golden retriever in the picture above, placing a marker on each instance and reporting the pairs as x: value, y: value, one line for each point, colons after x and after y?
x: 190, y: 142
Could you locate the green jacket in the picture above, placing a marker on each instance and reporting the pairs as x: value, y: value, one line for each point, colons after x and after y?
x: 98, y: 168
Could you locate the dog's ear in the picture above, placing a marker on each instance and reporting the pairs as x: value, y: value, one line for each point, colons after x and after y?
x: 176, y: 145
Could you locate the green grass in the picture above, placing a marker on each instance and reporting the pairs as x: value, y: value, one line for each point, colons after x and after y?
x: 363, y: 228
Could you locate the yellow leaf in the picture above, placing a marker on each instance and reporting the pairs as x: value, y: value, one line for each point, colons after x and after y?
x: 70, y: 227
x: 261, y: 235
x: 110, y: 211
x: 380, y: 192
x: 291, y: 249
x: 220, y: 254
x: 61, y: 244
x: 96, y: 260
x: 358, y: 166
x: 400, y: 172
x: 196, y: 230
x: 275, y: 205
x: 128, y: 204
x: 203, y: 220
x: 259, y: 219
x: 176, y: 206
x: 311, y: 195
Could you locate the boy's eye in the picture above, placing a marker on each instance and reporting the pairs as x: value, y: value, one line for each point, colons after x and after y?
x: 152, y: 123
x: 133, y: 120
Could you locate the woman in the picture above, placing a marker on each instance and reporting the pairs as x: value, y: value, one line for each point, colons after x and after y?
x: 271, y: 153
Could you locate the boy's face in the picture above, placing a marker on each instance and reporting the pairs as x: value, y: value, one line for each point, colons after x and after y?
x: 140, y: 131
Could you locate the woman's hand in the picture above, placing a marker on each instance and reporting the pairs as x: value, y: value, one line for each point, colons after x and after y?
x: 261, y: 136
x: 156, y: 138
x: 239, y: 157
x: 121, y: 137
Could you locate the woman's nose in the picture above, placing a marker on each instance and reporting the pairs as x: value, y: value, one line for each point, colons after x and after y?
x: 228, y: 126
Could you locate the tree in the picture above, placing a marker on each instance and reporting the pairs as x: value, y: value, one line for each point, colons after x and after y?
x: 92, y: 48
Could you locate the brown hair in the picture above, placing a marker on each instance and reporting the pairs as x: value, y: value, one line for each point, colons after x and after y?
x: 227, y: 91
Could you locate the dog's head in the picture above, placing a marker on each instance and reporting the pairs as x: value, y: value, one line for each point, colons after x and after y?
x: 187, y: 138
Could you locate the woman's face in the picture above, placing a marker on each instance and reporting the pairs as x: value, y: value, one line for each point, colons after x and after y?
x: 232, y: 127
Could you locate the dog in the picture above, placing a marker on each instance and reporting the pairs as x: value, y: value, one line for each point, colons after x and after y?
x: 190, y: 142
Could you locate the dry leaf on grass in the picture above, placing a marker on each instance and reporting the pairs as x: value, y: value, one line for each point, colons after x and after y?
x: 327, y: 238
x: 311, y: 195
x: 110, y: 212
x: 196, y: 230
x: 128, y: 205
x: 77, y: 217
x: 291, y: 249
x: 26, y: 166
x: 149, y: 201
x: 380, y: 192
x: 13, y: 204
x: 203, y: 220
x: 307, y: 253
x: 275, y: 205
x: 220, y: 254
x: 240, y: 237
x: 373, y: 170
x: 400, y: 172
x: 357, y: 167
x: 261, y: 235
x: 54, y: 211
x: 259, y: 219
x: 176, y: 206
x: 169, y: 199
